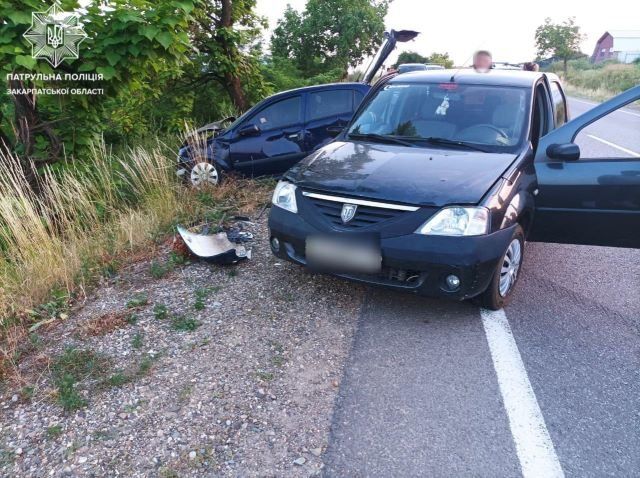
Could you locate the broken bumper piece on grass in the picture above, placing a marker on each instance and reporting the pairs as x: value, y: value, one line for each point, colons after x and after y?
x: 225, y: 247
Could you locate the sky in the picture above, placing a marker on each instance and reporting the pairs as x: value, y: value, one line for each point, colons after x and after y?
x: 506, y: 28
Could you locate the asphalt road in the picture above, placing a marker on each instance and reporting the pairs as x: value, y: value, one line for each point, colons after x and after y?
x: 549, y: 387
x: 621, y: 130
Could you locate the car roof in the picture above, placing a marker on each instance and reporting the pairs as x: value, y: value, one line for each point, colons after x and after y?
x: 469, y: 76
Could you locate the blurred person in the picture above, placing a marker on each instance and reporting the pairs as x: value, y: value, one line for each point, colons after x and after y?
x: 482, y: 61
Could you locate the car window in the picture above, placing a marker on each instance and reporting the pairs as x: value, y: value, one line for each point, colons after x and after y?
x: 323, y: 104
x: 278, y: 115
x: 540, y: 124
x: 559, y: 108
x: 613, y: 136
x: 358, y: 96
x: 496, y: 116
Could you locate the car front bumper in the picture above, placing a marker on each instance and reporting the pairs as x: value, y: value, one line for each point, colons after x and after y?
x: 412, y: 262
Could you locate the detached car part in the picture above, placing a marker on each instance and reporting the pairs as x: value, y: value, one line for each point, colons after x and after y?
x: 217, y: 247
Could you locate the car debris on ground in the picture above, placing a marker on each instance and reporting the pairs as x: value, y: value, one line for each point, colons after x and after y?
x: 220, y: 244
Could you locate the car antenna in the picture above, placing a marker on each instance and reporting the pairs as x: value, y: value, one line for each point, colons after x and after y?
x: 453, y: 77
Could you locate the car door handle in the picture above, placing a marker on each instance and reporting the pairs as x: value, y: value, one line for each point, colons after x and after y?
x: 291, y: 135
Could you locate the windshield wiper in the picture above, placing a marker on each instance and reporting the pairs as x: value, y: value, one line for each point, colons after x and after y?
x: 381, y: 137
x: 453, y: 142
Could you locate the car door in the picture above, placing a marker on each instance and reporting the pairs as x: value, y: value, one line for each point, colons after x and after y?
x: 271, y: 140
x: 328, y: 111
x: 588, y: 174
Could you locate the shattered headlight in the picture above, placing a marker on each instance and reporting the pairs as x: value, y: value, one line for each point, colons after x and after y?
x: 457, y: 221
x: 285, y: 196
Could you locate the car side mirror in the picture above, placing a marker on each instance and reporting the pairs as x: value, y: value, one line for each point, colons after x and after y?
x: 249, y: 130
x: 564, y: 151
x: 334, y: 130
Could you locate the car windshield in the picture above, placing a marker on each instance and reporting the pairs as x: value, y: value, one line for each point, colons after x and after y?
x: 490, y: 118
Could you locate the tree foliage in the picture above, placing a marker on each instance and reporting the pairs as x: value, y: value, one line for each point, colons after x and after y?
x: 414, y: 57
x: 560, y: 40
x: 330, y: 34
x: 410, y: 57
x: 225, y: 34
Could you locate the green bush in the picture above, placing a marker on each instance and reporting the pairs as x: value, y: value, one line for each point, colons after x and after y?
x: 610, y: 76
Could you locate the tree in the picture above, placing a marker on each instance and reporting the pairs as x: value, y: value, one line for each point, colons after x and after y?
x: 287, y: 34
x: 410, y: 57
x: 225, y: 35
x: 330, y: 34
x: 561, y: 40
x: 441, y: 59
x: 414, y: 57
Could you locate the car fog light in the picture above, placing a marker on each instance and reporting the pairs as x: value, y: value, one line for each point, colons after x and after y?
x: 453, y: 282
x: 275, y: 244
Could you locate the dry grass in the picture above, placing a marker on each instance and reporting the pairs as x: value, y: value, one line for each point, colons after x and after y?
x: 599, y: 95
x: 48, y: 238
x: 243, y: 195
x: 81, y: 221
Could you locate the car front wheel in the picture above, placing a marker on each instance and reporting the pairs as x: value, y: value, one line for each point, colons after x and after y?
x: 204, y: 174
x: 506, y: 274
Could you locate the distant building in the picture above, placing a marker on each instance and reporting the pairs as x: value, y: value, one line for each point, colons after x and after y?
x: 623, y: 46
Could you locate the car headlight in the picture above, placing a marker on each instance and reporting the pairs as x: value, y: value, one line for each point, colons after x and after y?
x: 284, y: 196
x: 457, y: 221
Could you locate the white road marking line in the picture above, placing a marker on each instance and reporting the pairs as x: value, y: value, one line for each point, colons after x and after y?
x: 613, y: 145
x: 535, y: 449
x: 596, y: 104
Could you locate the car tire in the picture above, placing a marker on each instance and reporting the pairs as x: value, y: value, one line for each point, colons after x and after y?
x: 506, y: 274
x: 204, y: 173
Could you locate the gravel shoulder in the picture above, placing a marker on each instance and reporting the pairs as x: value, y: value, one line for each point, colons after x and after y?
x: 249, y: 391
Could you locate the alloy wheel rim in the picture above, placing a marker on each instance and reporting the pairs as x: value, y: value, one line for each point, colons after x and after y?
x: 510, y: 267
x: 204, y: 173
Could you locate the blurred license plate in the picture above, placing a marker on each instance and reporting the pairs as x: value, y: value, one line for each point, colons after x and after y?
x: 344, y: 254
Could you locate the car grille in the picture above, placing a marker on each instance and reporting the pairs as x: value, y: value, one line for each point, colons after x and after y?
x: 365, y: 215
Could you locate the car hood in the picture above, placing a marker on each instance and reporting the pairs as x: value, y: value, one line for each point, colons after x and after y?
x: 420, y: 176
x: 391, y: 39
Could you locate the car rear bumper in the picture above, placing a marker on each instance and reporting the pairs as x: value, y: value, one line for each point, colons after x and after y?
x: 413, y: 262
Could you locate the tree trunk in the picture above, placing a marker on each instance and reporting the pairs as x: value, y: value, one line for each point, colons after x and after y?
x: 565, y: 68
x: 5, y: 143
x: 234, y: 88
x: 233, y: 84
x: 28, y: 123
x: 26, y: 116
